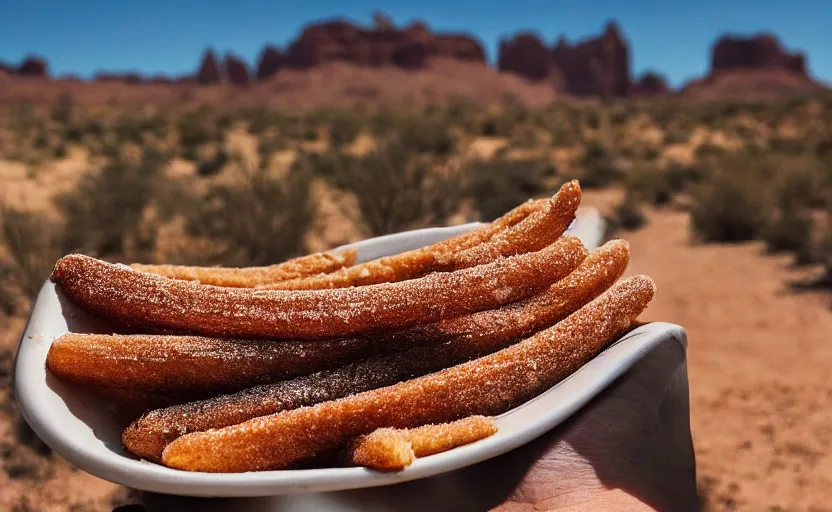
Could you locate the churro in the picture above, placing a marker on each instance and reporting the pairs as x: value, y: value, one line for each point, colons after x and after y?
x: 531, y: 226
x: 393, y: 449
x: 196, y: 363
x: 141, y: 299
x: 538, y: 230
x: 448, y: 342
x: 249, y: 277
x: 489, y: 385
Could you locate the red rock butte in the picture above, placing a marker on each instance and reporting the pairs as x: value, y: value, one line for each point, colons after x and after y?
x: 596, y: 66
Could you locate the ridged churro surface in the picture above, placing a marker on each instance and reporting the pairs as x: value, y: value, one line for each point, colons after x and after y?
x: 141, y: 299
x: 248, y: 277
x: 489, y: 385
x: 447, y: 343
x: 536, y: 231
x: 529, y: 227
x: 205, y: 365
x: 393, y: 449
x: 385, y: 449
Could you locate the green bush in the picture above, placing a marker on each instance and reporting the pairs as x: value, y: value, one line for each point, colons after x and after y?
x: 213, y: 164
x: 680, y: 177
x: 394, y: 188
x: 103, y: 214
x: 651, y: 185
x: 629, y: 215
x: 732, y: 205
x: 261, y: 222
x: 195, y: 130
x: 791, y: 232
x: 500, y: 185
x: 423, y: 134
x: 343, y: 129
x: 32, y: 241
x: 599, y: 167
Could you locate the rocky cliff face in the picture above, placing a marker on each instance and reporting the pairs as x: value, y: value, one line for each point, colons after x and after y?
x: 527, y: 56
x: 236, y: 71
x: 757, y: 66
x: 33, y: 66
x: 594, y: 67
x: 762, y: 51
x: 382, y: 45
x: 650, y: 84
x: 269, y: 63
x: 209, y: 70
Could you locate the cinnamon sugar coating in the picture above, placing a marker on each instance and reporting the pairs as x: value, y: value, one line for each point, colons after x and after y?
x: 437, y: 346
x: 489, y: 385
x: 529, y: 227
x: 140, y: 299
x: 249, y: 277
x: 392, y: 449
x: 199, y: 364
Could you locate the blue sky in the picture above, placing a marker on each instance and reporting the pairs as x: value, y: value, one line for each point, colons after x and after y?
x: 168, y: 36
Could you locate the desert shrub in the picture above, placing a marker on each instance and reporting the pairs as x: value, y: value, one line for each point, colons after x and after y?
x: 524, y: 137
x: 463, y: 113
x: 395, y: 190
x: 680, y: 176
x: 32, y: 241
x: 9, y: 299
x: 499, y: 185
x: 791, y: 226
x: 129, y: 129
x: 789, y: 145
x: 790, y: 231
x: 649, y: 184
x: 103, y: 214
x: 258, y: 120
x: 60, y: 151
x: 629, y: 215
x: 261, y: 222
x: 599, y: 166
x: 707, y: 150
x: 268, y: 145
x: 424, y: 134
x: 592, y: 119
x: 195, y: 130
x: 343, y: 129
x: 62, y: 112
x: 212, y: 164
x: 732, y: 205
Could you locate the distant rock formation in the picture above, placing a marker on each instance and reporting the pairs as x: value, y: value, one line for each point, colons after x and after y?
x: 269, y: 63
x: 33, y: 66
x: 756, y: 66
x: 237, y: 71
x: 762, y: 51
x: 383, y: 45
x: 595, y: 67
x: 527, y: 56
x: 650, y: 84
x: 125, y: 78
x: 209, y: 70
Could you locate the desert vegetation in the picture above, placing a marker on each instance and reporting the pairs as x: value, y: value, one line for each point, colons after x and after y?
x: 248, y: 186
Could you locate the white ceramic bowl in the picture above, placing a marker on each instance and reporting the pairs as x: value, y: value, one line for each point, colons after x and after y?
x: 86, y: 432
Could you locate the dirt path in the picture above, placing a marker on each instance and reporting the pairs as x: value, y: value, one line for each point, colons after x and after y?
x: 759, y: 355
